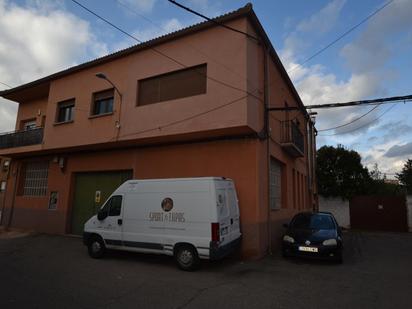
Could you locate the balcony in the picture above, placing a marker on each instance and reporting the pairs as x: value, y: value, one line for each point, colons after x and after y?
x: 21, y: 138
x: 291, y: 139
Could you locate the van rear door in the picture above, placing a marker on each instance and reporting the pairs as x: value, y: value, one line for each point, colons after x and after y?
x: 232, y: 201
x: 223, y: 215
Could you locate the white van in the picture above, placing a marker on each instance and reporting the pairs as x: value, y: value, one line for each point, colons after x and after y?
x: 188, y: 218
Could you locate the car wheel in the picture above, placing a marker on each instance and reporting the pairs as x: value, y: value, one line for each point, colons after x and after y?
x: 187, y: 258
x: 96, y: 248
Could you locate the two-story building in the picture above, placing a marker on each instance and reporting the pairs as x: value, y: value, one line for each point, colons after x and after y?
x: 201, y: 101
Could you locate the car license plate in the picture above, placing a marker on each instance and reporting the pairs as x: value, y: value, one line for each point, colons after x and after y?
x: 308, y: 249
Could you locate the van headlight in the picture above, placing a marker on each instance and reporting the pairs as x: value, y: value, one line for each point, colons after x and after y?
x: 330, y: 242
x: 287, y: 238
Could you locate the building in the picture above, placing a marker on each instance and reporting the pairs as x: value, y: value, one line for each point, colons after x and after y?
x: 191, y: 103
x: 391, y: 181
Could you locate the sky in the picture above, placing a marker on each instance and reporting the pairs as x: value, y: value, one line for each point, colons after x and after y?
x: 40, y: 37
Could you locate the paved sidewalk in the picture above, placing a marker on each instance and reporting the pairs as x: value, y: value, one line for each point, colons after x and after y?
x: 42, y: 271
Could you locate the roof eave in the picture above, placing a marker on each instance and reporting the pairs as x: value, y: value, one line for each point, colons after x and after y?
x: 242, y: 12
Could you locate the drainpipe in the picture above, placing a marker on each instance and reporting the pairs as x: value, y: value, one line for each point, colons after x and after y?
x: 266, y: 135
x: 13, y: 200
x: 309, y: 163
x: 3, y: 207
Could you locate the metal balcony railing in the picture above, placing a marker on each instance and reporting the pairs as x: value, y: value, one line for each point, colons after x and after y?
x: 21, y: 138
x: 292, y: 138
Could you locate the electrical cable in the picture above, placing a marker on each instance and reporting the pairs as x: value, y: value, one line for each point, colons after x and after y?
x: 213, y: 20
x: 341, y: 36
x: 120, y: 2
x: 160, y: 127
x: 364, y: 125
x: 352, y: 121
x: 6, y: 85
x: 160, y: 52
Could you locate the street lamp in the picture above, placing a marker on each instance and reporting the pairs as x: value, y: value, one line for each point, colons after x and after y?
x: 103, y: 76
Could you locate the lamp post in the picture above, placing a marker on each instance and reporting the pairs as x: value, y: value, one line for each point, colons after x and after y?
x: 103, y: 76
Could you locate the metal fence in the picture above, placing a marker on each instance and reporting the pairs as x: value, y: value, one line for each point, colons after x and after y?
x: 290, y: 133
x: 21, y: 138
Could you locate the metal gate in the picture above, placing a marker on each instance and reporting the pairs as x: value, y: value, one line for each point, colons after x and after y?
x: 380, y: 213
x: 91, y: 191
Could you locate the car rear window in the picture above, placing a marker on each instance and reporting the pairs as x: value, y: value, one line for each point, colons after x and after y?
x: 313, y: 221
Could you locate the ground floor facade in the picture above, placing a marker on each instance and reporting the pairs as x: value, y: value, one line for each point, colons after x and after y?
x: 56, y: 193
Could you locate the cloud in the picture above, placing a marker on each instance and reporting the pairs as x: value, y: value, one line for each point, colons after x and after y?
x: 324, y: 20
x: 366, y: 57
x: 394, y: 128
x: 399, y: 150
x: 37, y: 40
x: 376, y: 154
x: 374, y: 46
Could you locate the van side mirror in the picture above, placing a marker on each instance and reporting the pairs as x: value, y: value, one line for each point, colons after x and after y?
x: 285, y: 225
x: 101, y: 215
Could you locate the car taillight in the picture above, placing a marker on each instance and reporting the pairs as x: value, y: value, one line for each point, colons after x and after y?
x: 215, y: 232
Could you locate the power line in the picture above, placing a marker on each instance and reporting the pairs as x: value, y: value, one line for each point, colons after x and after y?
x: 188, y: 44
x: 187, y: 118
x: 213, y: 21
x: 342, y: 36
x: 352, y: 121
x: 6, y: 85
x: 161, y: 53
x: 379, y: 101
x: 364, y: 125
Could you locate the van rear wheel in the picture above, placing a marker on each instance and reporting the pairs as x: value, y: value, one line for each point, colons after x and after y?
x: 187, y: 258
x: 96, y: 248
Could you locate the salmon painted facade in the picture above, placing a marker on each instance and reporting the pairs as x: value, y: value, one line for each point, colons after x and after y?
x: 202, y: 101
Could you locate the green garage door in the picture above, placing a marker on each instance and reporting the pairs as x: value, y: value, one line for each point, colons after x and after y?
x: 87, y: 186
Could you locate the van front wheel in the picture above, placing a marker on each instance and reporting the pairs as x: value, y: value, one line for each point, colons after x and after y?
x: 186, y: 258
x: 96, y: 248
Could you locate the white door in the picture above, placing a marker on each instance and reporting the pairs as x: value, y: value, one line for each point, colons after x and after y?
x: 234, y: 213
x: 143, y: 224
x: 111, y: 227
x: 223, y: 214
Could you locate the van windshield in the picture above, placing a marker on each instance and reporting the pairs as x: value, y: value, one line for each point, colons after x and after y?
x: 313, y: 222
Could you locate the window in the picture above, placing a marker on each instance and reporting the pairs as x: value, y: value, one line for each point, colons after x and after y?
x: 275, y: 181
x: 313, y: 221
x: 35, y: 178
x: 6, y: 165
x: 54, y: 196
x: 2, y: 186
x: 103, y: 102
x: 179, y: 84
x: 113, y: 206
x: 65, y: 111
x: 29, y: 124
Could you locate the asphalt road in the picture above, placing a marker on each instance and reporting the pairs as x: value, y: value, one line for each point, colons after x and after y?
x: 43, y: 271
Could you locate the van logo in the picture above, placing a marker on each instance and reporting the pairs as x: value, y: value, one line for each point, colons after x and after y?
x: 307, y: 243
x: 167, y: 204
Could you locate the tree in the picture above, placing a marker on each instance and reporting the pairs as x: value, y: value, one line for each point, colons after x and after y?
x: 340, y: 172
x: 376, y: 174
x: 405, y: 176
x: 379, y: 186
